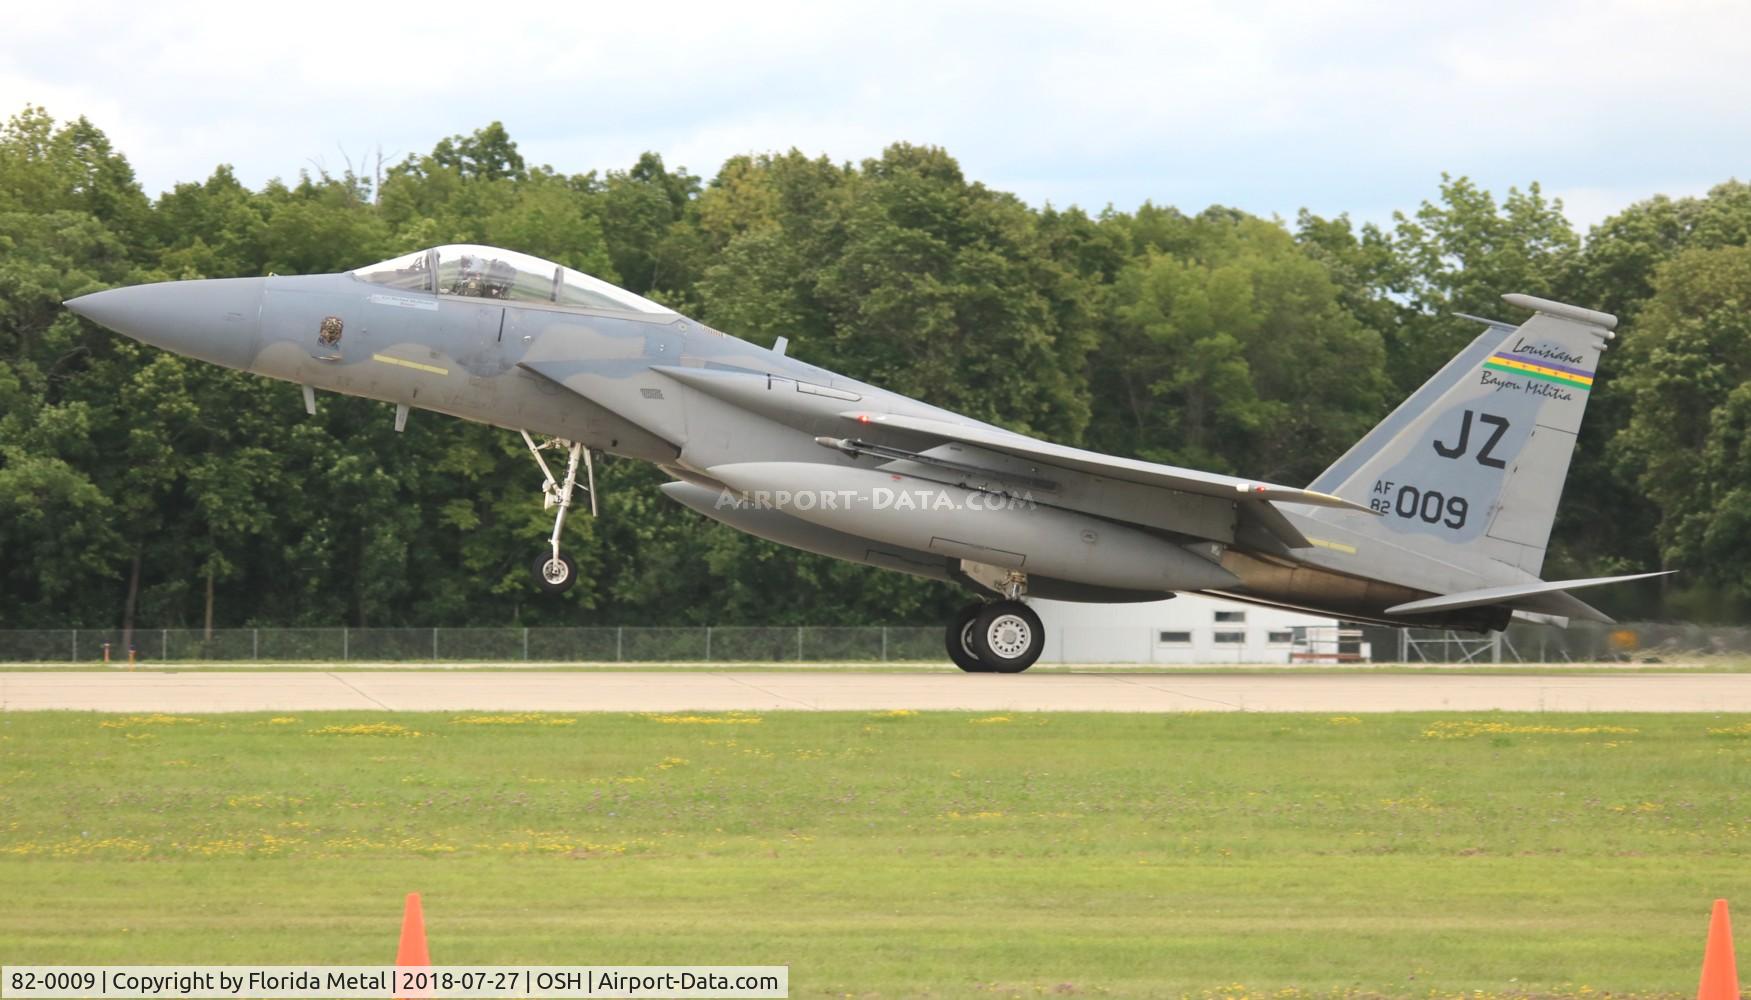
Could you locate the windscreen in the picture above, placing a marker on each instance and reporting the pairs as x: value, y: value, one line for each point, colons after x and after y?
x: 484, y: 272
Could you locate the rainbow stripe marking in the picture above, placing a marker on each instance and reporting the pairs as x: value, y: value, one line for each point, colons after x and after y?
x: 1546, y: 371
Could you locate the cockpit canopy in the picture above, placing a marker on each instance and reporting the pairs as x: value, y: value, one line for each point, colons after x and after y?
x: 483, y: 272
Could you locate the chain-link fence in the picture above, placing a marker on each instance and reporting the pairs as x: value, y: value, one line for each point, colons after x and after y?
x: 629, y: 644
x: 1521, y: 643
x: 1581, y: 642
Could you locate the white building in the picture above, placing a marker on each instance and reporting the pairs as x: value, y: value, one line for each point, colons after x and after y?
x: 1188, y: 629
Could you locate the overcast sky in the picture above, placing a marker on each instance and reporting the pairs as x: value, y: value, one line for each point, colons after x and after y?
x: 1270, y: 107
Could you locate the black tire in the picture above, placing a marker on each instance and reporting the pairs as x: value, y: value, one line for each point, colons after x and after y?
x: 959, y: 640
x: 1008, y: 636
x: 551, y: 580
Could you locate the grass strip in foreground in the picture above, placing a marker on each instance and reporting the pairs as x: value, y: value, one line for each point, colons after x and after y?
x: 894, y: 853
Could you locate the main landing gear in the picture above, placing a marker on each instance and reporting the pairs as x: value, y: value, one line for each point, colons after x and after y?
x: 555, y: 572
x: 1003, y: 637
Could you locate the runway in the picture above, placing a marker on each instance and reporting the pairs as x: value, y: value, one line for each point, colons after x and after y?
x: 629, y: 691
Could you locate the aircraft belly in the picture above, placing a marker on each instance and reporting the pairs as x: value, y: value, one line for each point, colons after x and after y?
x: 775, y: 526
x: 965, y: 524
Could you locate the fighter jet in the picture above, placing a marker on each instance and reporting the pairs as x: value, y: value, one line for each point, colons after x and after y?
x: 1439, y: 517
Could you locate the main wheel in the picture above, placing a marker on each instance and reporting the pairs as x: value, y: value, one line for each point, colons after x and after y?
x: 1008, y: 636
x: 555, y: 575
x: 960, y: 640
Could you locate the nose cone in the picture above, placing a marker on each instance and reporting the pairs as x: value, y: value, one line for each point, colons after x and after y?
x: 217, y: 320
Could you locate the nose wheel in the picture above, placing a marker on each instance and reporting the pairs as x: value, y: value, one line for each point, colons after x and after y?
x: 554, y: 572
x: 1003, y: 637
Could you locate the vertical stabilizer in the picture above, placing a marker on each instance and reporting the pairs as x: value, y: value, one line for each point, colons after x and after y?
x: 1478, y: 455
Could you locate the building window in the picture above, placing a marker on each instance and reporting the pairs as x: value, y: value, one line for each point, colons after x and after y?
x: 1173, y: 638
x: 1235, y: 617
x: 1230, y: 637
x: 1281, y: 638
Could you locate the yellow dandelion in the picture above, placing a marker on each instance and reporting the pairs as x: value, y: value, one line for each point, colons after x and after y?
x: 367, y: 729
x: 155, y: 719
x: 727, y: 719
x: 518, y: 719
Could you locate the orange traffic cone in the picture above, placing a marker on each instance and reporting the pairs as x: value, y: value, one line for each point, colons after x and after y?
x: 1720, y: 976
x: 413, y: 936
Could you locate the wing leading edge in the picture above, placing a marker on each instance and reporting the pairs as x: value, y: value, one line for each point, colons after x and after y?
x: 1094, y: 463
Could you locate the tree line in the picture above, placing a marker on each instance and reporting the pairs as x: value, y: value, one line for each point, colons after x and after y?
x: 137, y: 486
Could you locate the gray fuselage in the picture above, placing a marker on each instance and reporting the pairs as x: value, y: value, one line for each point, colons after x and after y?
x: 599, y: 377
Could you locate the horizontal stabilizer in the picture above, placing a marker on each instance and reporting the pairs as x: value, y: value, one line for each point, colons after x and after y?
x: 1544, y: 597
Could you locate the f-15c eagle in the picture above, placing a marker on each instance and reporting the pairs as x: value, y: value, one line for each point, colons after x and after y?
x: 1438, y: 517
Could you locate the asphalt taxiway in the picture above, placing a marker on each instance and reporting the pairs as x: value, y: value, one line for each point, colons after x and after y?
x: 756, y: 691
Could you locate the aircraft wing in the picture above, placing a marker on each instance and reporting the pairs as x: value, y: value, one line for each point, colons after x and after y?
x: 767, y: 394
x: 1545, y: 597
x: 1096, y: 464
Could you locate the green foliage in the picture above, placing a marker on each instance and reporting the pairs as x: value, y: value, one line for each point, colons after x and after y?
x: 1217, y: 340
x: 1688, y: 440
x: 1238, y: 356
x: 1457, y: 255
x: 905, y: 275
x: 488, y: 154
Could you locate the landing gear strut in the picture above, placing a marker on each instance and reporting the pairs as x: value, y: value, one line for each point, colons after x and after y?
x: 555, y: 572
x: 1004, y: 637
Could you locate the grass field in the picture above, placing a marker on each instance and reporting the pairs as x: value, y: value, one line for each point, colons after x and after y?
x: 895, y: 854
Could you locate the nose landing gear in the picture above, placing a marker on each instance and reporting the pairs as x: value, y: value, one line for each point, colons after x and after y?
x: 555, y: 572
